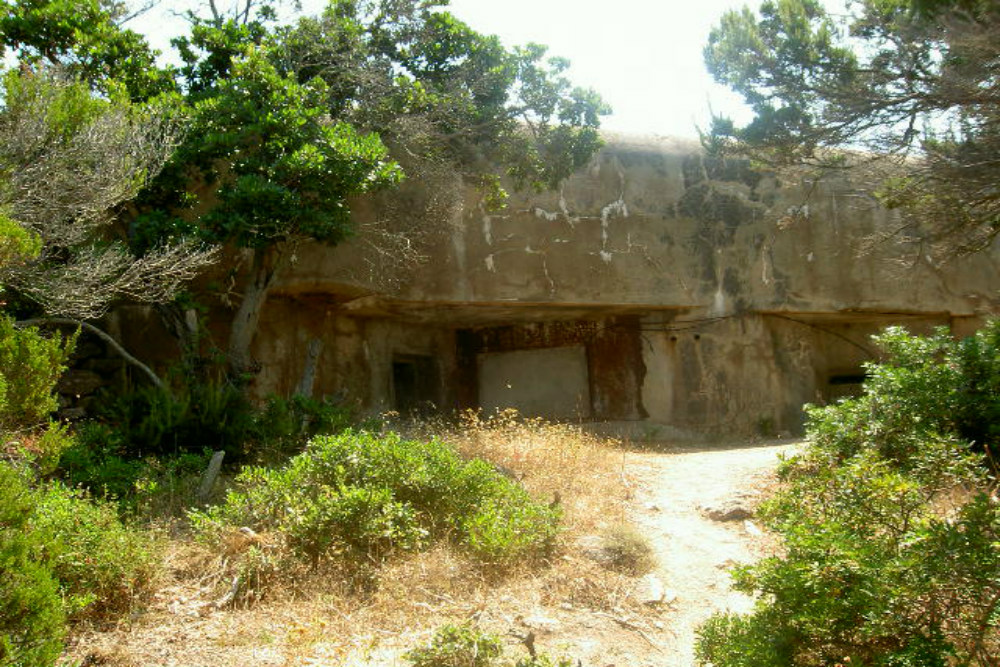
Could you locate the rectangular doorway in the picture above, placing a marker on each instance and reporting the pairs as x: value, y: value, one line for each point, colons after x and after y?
x: 415, y: 385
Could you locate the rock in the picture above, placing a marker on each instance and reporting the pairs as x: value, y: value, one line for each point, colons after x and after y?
x: 103, y: 367
x: 71, y: 414
x: 733, y: 509
x: 593, y: 547
x: 540, y: 623
x: 651, y: 590
x: 79, y: 382
x: 653, y: 507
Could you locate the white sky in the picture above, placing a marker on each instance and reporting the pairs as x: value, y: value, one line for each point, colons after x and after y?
x: 643, y: 56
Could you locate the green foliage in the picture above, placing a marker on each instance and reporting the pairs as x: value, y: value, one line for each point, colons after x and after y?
x: 926, y: 386
x: 396, y: 66
x: 101, y: 564
x: 44, y: 447
x: 32, y: 619
x: 30, y: 365
x: 458, y: 646
x: 891, y: 76
x: 148, y: 421
x: 83, y: 37
x: 358, y: 492
x: 288, y: 171
x: 62, y: 556
x: 889, y: 528
x: 148, y: 447
x: 467, y: 646
x: 16, y: 243
x: 149, y: 487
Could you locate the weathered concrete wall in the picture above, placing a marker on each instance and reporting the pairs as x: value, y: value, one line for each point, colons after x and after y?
x: 697, y: 297
x: 655, y: 224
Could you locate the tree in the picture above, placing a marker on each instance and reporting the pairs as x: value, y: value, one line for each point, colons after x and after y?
x: 69, y: 160
x: 86, y: 40
x: 914, y: 81
x: 287, y: 123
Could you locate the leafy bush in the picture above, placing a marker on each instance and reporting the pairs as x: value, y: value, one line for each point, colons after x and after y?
x: 30, y: 365
x: 148, y: 421
x: 890, y: 524
x: 32, y: 619
x: 925, y: 386
x: 458, y: 646
x: 150, y: 487
x: 468, y: 646
x: 96, y: 564
x: 362, y: 492
x: 101, y: 564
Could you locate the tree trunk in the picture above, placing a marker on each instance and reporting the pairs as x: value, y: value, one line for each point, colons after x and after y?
x: 264, y: 267
x: 308, y: 379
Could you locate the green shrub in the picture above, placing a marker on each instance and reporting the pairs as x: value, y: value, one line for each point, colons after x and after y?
x: 890, y: 532
x: 925, y: 386
x: 150, y: 487
x: 148, y: 421
x: 359, y: 491
x: 468, y: 646
x: 871, y: 571
x: 30, y: 366
x: 97, y: 564
x: 101, y: 564
x: 458, y: 646
x: 32, y: 620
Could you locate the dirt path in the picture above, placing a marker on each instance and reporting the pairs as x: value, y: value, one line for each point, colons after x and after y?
x: 673, y: 492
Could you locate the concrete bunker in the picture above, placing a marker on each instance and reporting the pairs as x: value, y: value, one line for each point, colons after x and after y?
x: 656, y: 293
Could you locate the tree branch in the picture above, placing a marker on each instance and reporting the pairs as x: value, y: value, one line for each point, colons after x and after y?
x: 65, y: 321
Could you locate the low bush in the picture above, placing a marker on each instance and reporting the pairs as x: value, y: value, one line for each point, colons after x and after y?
x: 149, y: 421
x: 890, y: 524
x: 364, y: 493
x: 32, y: 618
x: 102, y: 564
x: 30, y: 365
x: 150, y: 487
x: 924, y: 387
x: 627, y: 550
x: 63, y: 556
x: 458, y: 646
x: 468, y: 646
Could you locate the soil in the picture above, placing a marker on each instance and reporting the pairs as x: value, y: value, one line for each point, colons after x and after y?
x: 694, y: 506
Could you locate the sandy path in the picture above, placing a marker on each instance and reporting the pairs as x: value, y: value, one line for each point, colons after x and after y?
x: 695, y: 551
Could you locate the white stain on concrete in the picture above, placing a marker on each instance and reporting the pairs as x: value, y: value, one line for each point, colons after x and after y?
x: 488, y: 229
x: 551, y: 216
x: 718, y: 303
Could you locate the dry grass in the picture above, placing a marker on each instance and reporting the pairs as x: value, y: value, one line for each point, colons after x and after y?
x: 555, y: 462
x: 334, y: 615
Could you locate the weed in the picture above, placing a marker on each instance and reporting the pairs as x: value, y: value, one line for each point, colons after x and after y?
x: 458, y: 646
x: 627, y: 550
